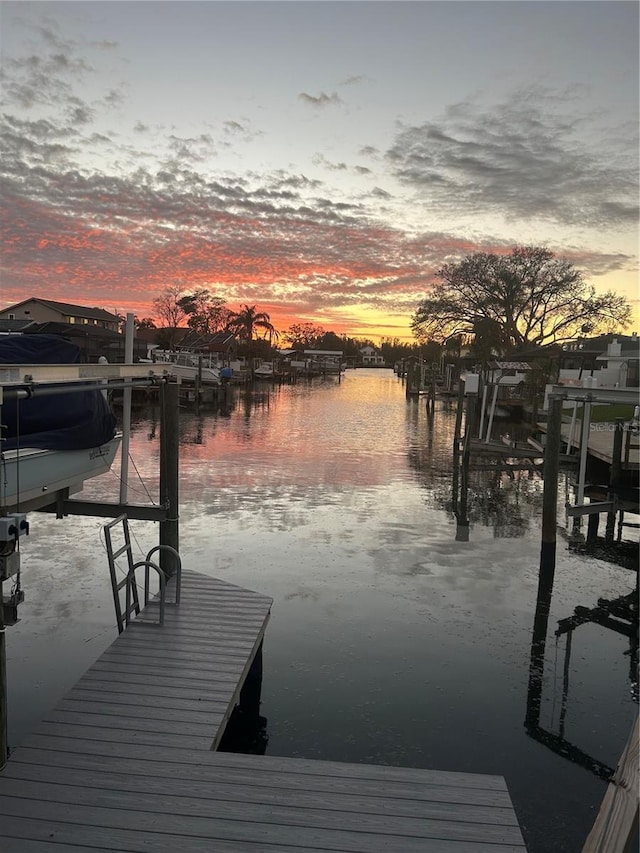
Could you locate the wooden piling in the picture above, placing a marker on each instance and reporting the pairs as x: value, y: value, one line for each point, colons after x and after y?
x: 615, y: 475
x: 4, y: 716
x: 550, y: 487
x: 169, y: 445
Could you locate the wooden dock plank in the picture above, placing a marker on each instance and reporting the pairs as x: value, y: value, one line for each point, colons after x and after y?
x: 211, y: 762
x: 124, y: 762
x: 201, y: 796
x: 128, y: 737
x: 180, y: 699
x: 133, y: 841
x: 231, y: 819
x: 262, y: 775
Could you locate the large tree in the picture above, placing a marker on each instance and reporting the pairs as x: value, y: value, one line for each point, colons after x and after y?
x: 304, y: 335
x: 207, y: 313
x: 528, y: 297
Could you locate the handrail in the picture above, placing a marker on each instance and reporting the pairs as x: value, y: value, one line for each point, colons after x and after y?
x: 132, y: 603
x: 131, y: 579
x: 178, y: 574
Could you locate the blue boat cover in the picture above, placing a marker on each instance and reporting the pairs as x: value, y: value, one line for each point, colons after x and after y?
x: 66, y: 421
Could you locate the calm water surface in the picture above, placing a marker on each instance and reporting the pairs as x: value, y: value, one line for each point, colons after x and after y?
x: 390, y: 642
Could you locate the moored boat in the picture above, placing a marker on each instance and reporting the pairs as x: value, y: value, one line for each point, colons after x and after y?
x: 49, y: 442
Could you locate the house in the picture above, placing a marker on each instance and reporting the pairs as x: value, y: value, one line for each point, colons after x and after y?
x: 611, y: 361
x: 94, y: 330
x: 370, y: 357
x: 48, y: 311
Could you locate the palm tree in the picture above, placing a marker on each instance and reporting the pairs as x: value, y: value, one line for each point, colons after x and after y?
x: 246, y: 321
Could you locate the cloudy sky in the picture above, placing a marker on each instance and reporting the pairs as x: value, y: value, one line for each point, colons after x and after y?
x: 320, y: 160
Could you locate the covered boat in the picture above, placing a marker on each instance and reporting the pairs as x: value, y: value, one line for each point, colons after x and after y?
x: 51, y: 442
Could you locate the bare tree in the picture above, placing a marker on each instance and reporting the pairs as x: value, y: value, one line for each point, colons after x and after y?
x: 168, y: 307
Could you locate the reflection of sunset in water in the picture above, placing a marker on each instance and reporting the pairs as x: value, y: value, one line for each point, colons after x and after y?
x: 390, y: 641
x: 285, y: 437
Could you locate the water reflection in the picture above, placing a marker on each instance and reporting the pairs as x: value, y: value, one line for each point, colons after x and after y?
x: 389, y: 640
x: 619, y: 615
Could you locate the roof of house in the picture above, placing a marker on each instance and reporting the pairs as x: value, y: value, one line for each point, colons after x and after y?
x: 600, y: 343
x: 72, y: 330
x: 68, y: 308
x: 509, y: 365
x: 213, y: 342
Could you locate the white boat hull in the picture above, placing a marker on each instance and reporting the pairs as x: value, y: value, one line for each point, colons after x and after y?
x: 29, y: 475
x: 187, y: 372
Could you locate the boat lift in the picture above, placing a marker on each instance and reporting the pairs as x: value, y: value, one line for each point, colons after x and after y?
x: 51, y: 484
x: 588, y: 395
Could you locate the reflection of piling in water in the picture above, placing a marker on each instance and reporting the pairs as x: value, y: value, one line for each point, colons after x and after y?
x: 547, y: 561
x: 456, y: 446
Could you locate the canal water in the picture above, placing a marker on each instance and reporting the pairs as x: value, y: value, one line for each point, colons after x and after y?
x: 390, y: 642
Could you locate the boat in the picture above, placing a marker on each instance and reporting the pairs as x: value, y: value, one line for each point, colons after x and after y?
x: 265, y: 370
x: 52, y: 442
x: 30, y: 477
x: 185, y: 366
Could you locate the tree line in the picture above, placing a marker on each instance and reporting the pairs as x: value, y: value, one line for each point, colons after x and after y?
x: 497, y: 304
x: 205, y: 313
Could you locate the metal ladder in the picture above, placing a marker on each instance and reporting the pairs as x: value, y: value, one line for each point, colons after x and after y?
x: 132, y: 606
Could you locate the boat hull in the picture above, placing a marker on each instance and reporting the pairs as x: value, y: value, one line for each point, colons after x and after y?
x: 30, y: 476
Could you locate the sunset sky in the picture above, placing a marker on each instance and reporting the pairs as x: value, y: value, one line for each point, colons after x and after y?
x: 320, y: 160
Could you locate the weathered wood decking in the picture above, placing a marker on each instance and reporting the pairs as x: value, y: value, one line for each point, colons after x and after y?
x: 125, y: 763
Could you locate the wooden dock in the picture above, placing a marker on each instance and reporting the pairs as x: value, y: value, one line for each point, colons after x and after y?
x: 126, y: 762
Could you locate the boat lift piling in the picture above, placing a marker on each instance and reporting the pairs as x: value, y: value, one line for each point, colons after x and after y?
x: 126, y: 413
x: 169, y: 487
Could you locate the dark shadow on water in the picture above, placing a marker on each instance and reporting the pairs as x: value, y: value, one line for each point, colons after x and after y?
x: 619, y: 615
x: 245, y: 733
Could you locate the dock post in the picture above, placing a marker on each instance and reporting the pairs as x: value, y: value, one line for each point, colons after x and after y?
x: 593, y: 522
x: 126, y: 412
x: 169, y: 445
x: 4, y: 716
x: 615, y: 475
x: 550, y: 487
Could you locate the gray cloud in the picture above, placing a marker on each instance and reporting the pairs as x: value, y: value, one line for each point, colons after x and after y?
x: 535, y: 155
x: 321, y: 100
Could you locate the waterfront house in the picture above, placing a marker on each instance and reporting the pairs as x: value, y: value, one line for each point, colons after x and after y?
x: 609, y: 361
x: 38, y: 310
x: 371, y: 357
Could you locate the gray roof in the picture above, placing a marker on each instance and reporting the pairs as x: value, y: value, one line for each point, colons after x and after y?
x: 68, y: 309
